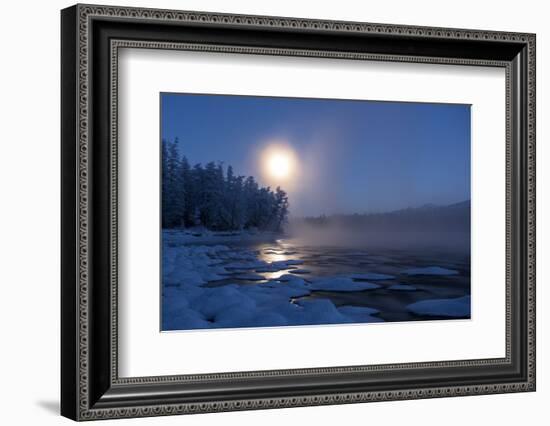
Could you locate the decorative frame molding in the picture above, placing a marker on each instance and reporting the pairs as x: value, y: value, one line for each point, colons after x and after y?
x: 91, y: 37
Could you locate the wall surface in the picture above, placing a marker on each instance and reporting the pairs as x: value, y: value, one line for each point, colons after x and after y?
x: 29, y: 225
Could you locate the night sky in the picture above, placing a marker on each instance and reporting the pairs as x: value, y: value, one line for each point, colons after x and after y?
x: 353, y: 156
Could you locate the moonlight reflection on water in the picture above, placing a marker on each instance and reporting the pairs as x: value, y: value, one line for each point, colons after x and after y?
x: 284, y: 282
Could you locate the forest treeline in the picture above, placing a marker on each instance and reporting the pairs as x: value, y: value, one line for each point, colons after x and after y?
x: 214, y: 197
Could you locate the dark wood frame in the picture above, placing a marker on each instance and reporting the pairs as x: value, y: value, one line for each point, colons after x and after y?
x: 90, y: 386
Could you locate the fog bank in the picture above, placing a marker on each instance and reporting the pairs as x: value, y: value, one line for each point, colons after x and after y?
x: 437, y: 227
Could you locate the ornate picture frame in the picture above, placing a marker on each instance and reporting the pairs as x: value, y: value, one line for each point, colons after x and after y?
x: 91, y: 38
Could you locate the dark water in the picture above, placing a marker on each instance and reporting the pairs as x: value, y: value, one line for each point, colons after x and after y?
x: 332, y: 261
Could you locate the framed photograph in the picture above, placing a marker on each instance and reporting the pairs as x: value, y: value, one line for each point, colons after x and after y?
x: 263, y: 212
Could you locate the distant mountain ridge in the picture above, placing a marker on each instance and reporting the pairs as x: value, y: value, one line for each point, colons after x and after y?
x: 459, y: 211
x: 466, y: 204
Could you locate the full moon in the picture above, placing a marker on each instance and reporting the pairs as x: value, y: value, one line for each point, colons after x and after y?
x: 279, y: 163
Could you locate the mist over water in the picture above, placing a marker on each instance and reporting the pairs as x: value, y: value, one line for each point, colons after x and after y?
x: 336, y: 236
x: 445, y: 228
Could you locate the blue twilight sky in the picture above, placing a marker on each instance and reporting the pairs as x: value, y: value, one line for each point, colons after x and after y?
x: 352, y: 156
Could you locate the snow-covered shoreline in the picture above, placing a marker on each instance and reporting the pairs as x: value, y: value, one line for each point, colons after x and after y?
x: 205, y: 236
x: 189, y: 264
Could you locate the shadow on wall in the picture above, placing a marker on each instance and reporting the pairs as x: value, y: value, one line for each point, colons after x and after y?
x: 51, y: 407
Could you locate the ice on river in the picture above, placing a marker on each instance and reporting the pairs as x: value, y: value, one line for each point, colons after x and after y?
x: 256, y: 264
x: 360, y: 313
x: 289, y: 278
x: 341, y: 284
x: 452, y: 308
x: 300, y: 271
x: 402, y: 287
x: 431, y: 270
x: 371, y: 276
x: 214, y: 285
x: 250, y: 277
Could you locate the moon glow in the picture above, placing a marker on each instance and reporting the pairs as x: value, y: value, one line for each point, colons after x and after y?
x: 279, y: 164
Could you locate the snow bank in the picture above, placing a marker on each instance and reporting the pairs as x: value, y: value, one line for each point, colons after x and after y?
x: 191, y: 265
x: 204, y: 236
x: 254, y: 306
x: 451, y: 308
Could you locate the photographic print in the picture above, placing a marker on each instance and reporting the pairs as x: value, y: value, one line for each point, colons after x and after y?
x: 280, y: 211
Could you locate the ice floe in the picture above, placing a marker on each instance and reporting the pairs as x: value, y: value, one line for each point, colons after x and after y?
x: 451, y: 308
x: 360, y: 313
x: 289, y: 277
x: 275, y: 267
x: 291, y: 262
x: 323, y: 311
x: 245, y: 265
x: 431, y: 270
x: 213, y: 301
x: 341, y: 284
